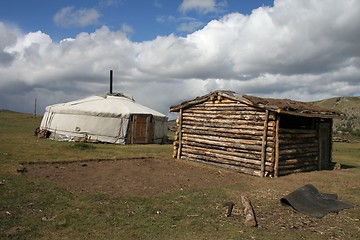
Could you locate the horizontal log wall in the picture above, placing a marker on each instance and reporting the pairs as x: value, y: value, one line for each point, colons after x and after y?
x: 298, y: 151
x: 228, y: 134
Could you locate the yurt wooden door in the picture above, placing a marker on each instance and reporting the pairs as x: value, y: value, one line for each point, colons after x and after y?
x: 141, y: 129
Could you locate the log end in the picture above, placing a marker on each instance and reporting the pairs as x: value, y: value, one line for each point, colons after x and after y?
x: 250, y: 219
x: 250, y: 222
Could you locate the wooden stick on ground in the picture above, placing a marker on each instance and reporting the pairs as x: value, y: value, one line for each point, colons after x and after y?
x: 229, y: 206
x: 250, y: 219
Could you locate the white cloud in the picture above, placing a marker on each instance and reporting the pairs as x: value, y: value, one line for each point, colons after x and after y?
x: 127, y: 28
x: 8, y: 35
x: 166, y: 19
x: 201, y: 6
x: 184, y: 24
x: 33, y: 38
x: 296, y: 49
x: 110, y: 3
x: 69, y: 17
x: 189, y: 26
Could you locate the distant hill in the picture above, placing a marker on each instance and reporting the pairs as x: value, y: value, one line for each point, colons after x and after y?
x: 350, y: 106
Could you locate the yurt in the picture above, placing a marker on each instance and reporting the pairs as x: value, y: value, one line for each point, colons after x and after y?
x: 109, y: 118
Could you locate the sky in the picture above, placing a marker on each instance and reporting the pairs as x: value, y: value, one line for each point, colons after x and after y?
x: 164, y: 52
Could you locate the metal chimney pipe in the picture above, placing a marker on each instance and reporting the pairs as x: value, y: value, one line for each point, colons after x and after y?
x: 111, y: 81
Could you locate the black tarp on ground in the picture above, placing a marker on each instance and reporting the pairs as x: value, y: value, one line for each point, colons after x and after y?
x: 310, y: 201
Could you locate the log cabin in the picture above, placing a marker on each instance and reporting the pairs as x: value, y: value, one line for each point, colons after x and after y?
x: 253, y: 135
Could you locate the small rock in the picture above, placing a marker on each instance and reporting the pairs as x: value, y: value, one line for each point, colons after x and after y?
x: 337, y: 166
x: 48, y: 219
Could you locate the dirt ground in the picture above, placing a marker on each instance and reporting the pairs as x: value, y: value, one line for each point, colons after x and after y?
x: 131, y: 177
x: 151, y: 176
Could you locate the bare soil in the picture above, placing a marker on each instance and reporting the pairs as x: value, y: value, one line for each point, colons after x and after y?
x: 151, y: 177
x: 131, y: 177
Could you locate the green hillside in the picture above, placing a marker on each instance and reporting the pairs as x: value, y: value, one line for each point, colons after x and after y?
x: 350, y: 106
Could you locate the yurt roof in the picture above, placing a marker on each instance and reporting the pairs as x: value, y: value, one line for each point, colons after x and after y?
x: 109, y: 105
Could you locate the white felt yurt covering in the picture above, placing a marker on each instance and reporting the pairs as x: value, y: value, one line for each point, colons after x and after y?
x: 108, y: 118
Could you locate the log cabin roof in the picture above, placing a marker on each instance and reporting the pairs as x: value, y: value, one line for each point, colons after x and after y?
x: 284, y: 106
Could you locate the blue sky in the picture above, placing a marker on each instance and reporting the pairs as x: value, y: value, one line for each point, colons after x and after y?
x: 164, y: 52
x: 146, y: 19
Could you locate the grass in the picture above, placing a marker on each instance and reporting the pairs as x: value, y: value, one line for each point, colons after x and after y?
x: 42, y: 210
x: 19, y: 145
x: 83, y: 146
x: 100, y: 216
x: 347, y: 154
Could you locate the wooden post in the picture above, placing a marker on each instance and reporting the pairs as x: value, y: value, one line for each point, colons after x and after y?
x: 263, y: 147
x: 180, y: 134
x: 276, y: 167
x: 250, y: 219
x: 133, y: 129
x: 331, y: 142
x: 35, y: 108
x: 319, y: 150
